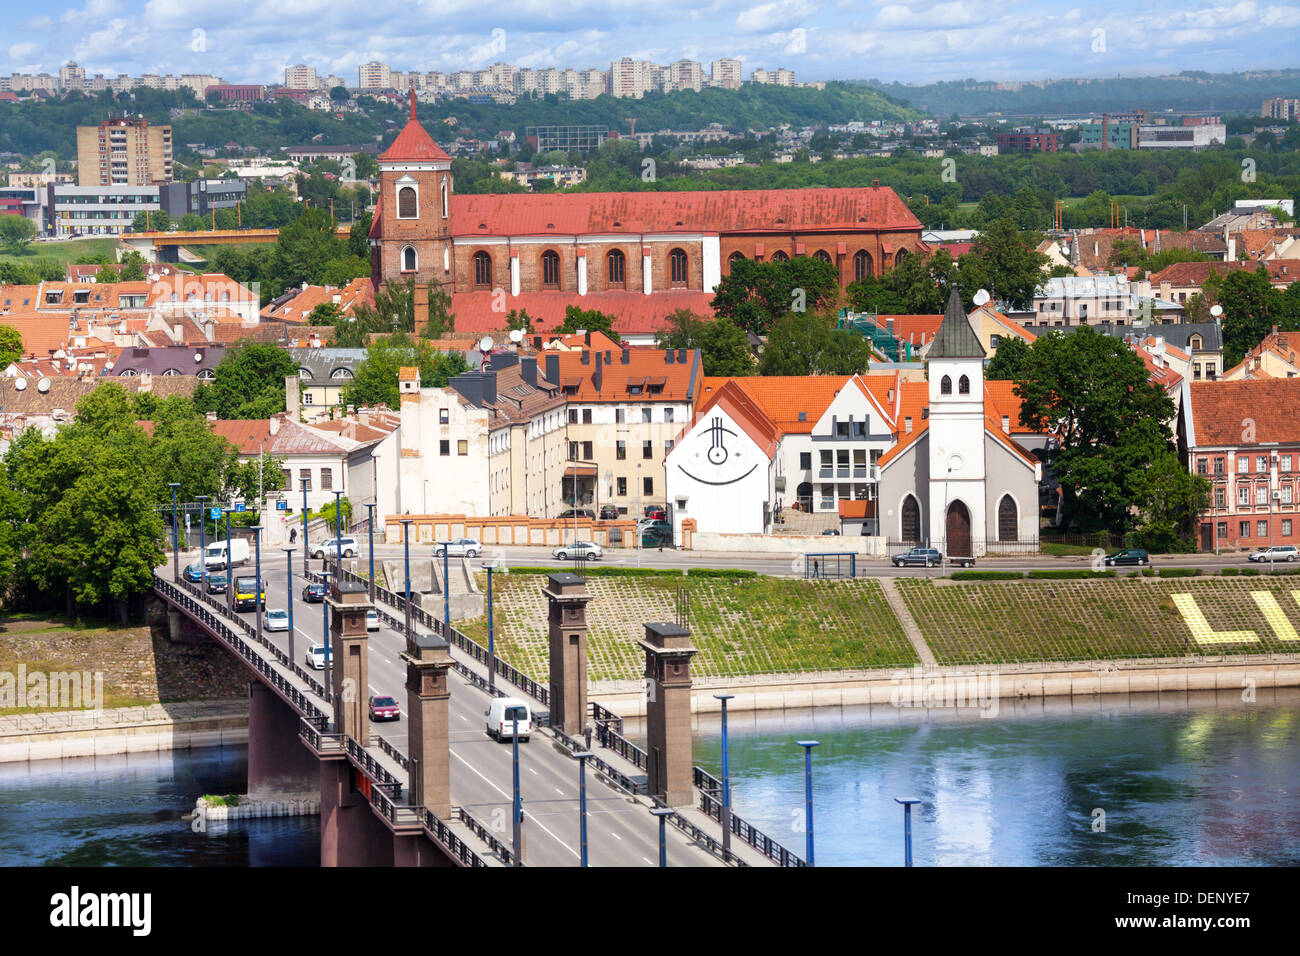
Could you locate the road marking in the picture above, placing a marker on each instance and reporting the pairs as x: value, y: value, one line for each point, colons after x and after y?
x: 532, y: 771
x: 651, y: 862
x: 532, y: 818
x: 616, y: 836
x: 559, y: 791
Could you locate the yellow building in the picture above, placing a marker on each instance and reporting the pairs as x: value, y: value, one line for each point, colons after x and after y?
x: 1275, y: 357
x: 124, y: 151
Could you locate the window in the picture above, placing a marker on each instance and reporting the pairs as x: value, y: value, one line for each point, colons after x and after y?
x: 963, y: 385
x: 619, y: 416
x: 668, y: 414
x: 622, y: 487
x: 780, y: 256
x: 805, y: 460
x: 620, y: 450
x: 586, y: 451
x: 409, y: 260
x: 1243, y: 464
x: 1243, y: 529
x: 1261, y: 464
x: 678, y: 270
x: 1222, y: 529
x: 442, y: 416
x: 446, y: 210
x: 326, y: 479
x: 573, y: 416
x: 615, y: 268
x: 995, y: 341
x: 911, y: 519
x: 733, y: 259
x: 1261, y: 495
x: 645, y: 415
x: 648, y: 486
x: 1243, y: 496
x: 1008, y: 520
x: 444, y: 447
x: 861, y: 265
x: 647, y: 449
x: 406, y: 203
x: 1202, y: 466
x: 1196, y: 343
x: 462, y: 447
x: 1286, y: 494
x: 573, y: 451
x: 1196, y: 370
x: 482, y: 270
x: 1286, y: 527
x: 1261, y: 529
x: 1219, y: 498
x: 1218, y: 466
x: 945, y: 386
x: 822, y: 255
x: 668, y: 445
x: 551, y: 269
x: 307, y: 397
x: 1284, y: 463
x: 304, y: 479
x: 1211, y: 370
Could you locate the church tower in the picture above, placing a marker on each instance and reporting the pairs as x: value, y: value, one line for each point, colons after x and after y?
x: 411, y: 233
x: 956, y: 435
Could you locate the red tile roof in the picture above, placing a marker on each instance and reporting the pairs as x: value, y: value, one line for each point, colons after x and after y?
x: 1219, y: 409
x: 917, y: 329
x: 634, y: 313
x: 413, y: 144
x: 680, y: 381
x: 744, y: 410
x: 999, y: 401
x: 1283, y: 271
x: 783, y: 397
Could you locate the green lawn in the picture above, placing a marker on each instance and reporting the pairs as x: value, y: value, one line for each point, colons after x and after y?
x: 69, y: 251
x: 208, y: 252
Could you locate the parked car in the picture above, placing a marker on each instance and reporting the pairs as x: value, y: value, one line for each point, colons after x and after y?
x: 317, y: 654
x: 216, y: 584
x: 460, y: 548
x: 578, y: 513
x: 587, y: 550
x: 314, y: 593
x: 276, y: 619
x: 929, y: 557
x: 962, y: 560
x: 830, y: 531
x: 372, y: 620
x: 332, y: 547
x: 608, y: 513
x: 1279, y: 552
x: 384, y: 708
x: 501, y: 716
x: 193, y: 572
x: 1126, y: 556
x: 655, y: 513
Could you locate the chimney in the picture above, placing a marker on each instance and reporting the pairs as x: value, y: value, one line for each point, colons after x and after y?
x: 598, y: 377
x: 274, y: 424
x: 490, y: 388
x: 681, y: 356
x: 586, y: 357
x: 553, y: 369
x: 176, y: 330
x: 470, y: 387
x: 668, y: 357
x: 528, y: 369
x: 212, y: 416
x: 291, y: 383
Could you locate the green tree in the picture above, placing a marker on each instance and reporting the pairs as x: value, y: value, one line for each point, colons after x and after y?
x: 587, y: 320
x: 305, y: 247
x: 755, y: 294
x: 1251, y: 307
x: 249, y: 382
x: 191, y: 222
x: 16, y: 233
x: 802, y: 343
x: 11, y: 345
x: 1007, y: 261
x: 326, y: 313
x: 132, y: 268
x: 1171, y: 500
x: 440, y: 318
x: 519, y: 319
x: 375, y: 381
x: 1008, y: 361
x: 724, y: 347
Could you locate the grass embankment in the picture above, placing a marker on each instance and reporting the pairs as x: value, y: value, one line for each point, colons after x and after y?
x: 1114, y: 618
x: 758, y: 625
x: 69, y: 251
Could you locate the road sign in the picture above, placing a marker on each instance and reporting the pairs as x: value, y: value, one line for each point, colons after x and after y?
x: 282, y: 506
x: 239, y: 506
x: 214, y: 513
x: 187, y: 522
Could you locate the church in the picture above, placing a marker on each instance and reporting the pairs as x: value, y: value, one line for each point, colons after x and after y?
x: 638, y: 256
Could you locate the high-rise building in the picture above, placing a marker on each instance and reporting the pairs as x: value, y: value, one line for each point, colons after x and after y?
x: 124, y: 151
x: 634, y: 78
x: 684, y: 75
x: 300, y: 77
x: 725, y: 74
x: 1281, y: 108
x: 374, y: 76
x: 71, y: 77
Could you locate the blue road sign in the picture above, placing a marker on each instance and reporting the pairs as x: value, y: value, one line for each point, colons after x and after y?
x: 215, y: 513
x: 282, y: 506
x: 239, y: 506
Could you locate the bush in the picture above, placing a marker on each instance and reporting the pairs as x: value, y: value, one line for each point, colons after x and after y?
x: 987, y: 575
x: 1229, y: 572
x: 721, y: 573
x: 1068, y: 574
x: 1179, y: 572
x: 605, y: 572
x: 1250, y: 570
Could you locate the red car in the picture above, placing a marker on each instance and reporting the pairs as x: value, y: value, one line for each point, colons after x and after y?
x: 384, y: 708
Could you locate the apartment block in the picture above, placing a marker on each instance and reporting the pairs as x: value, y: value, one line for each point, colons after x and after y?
x: 725, y: 74
x: 374, y: 76
x: 301, y: 77
x: 124, y: 152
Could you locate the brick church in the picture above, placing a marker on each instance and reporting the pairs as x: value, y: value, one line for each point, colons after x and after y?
x: 638, y: 256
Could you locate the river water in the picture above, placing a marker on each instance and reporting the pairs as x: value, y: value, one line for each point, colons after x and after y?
x: 1166, y: 780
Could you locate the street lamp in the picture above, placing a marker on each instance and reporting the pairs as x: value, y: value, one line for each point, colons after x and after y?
x: 176, y: 535
x: 663, y: 813
x: 288, y: 554
x: 725, y: 815
x: 406, y: 544
x: 807, y: 746
x: 492, y: 650
x: 203, y: 541
x: 258, y: 603
x: 582, y: 756
x: 517, y: 809
x: 305, y: 554
x: 338, y: 530
x: 370, y: 527
x: 907, y: 826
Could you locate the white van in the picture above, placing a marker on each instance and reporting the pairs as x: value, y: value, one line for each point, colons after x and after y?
x: 215, y: 556
x: 501, y: 714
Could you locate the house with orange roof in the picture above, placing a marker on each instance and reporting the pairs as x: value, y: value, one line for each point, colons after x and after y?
x: 296, y: 305
x: 1274, y: 357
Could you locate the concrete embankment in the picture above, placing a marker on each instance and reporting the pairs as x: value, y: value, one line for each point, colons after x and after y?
x: 89, y: 733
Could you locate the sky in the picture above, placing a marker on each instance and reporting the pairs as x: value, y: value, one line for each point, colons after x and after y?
x: 912, y: 41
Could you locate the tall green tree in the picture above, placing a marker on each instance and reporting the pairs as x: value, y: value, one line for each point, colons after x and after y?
x: 809, y: 344
x: 755, y: 294
x: 724, y: 347
x: 1251, y: 307
x: 375, y: 381
x: 1007, y: 263
x: 440, y: 319
x: 249, y: 382
x: 587, y: 320
x: 1008, y: 362
x: 11, y: 345
x: 305, y: 247
x: 16, y: 233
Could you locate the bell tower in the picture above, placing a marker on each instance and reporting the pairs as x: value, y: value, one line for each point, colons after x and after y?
x: 411, y: 233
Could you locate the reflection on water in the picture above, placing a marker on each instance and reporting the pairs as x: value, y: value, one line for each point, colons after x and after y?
x: 126, y: 810
x: 1179, y: 779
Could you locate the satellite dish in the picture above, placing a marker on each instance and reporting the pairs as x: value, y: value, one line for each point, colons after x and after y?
x: 1216, y: 310
x: 981, y: 297
x: 198, y: 356
x: 485, y: 344
x: 43, y: 385
x: 516, y: 335
x: 20, y: 384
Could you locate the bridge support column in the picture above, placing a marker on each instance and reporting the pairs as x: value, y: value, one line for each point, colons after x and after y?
x: 278, y: 763
x: 175, y: 625
x: 567, y: 597
x: 348, y: 605
x: 417, y: 850
x: 428, y: 696
x: 350, y: 833
x: 668, y: 653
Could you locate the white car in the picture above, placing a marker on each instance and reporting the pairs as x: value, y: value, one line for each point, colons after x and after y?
x: 334, y: 545
x: 1280, y: 552
x: 276, y: 619
x: 372, y: 620
x: 586, y: 550
x: 460, y: 548
x: 316, y: 655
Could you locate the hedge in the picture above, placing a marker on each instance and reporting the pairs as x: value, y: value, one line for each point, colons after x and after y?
x: 987, y: 575
x: 1071, y: 573
x: 595, y: 571
x: 1229, y: 572
x: 1179, y: 572
x: 721, y: 573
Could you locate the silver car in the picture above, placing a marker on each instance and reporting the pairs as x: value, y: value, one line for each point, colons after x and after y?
x: 586, y: 550
x: 460, y: 548
x: 276, y: 619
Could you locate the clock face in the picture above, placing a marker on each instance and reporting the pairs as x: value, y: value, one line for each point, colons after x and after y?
x: 716, y: 456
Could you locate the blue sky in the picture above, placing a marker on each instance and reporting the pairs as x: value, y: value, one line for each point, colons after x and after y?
x: 907, y: 40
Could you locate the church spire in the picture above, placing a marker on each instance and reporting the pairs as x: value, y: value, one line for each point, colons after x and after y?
x: 955, y: 338
x: 412, y: 104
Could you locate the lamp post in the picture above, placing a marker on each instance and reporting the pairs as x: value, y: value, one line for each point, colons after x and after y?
x: 663, y: 813
x: 338, y: 531
x: 492, y: 650
x: 288, y: 554
x: 907, y: 827
x: 517, y: 809
x: 639, y: 514
x: 807, y: 746
x: 406, y: 545
x: 582, y: 756
x: 203, y: 541
x: 257, y: 594
x: 176, y: 535
x: 446, y: 584
x: 370, y: 528
x: 725, y: 815
x: 230, y: 570
x: 305, y: 554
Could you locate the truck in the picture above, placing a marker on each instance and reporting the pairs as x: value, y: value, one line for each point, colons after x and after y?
x: 218, y: 556
x: 246, y: 596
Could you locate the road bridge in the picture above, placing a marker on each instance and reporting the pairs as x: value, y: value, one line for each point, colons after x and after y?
x: 163, y: 246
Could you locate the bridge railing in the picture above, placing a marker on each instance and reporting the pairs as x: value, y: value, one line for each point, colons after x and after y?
x: 399, y: 758
x: 599, y: 716
x: 747, y: 832
x: 622, y: 746
x: 484, y: 834
x: 614, y: 776
x: 446, y: 837
x: 708, y: 841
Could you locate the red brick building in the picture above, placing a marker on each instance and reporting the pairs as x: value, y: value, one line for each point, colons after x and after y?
x: 1028, y: 141
x: 618, y: 248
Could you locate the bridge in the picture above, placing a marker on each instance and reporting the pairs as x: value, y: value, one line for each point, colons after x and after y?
x: 163, y: 246
x: 435, y: 790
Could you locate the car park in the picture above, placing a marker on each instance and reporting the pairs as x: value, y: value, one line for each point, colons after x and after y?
x: 372, y: 620
x: 334, y: 545
x: 1279, y: 552
x: 276, y: 619
x: 584, y: 550
x: 314, y: 592
x: 317, y: 655
x: 459, y: 548
x: 384, y: 708
x: 502, y: 715
x: 917, y: 557
x: 578, y: 513
x: 1126, y: 556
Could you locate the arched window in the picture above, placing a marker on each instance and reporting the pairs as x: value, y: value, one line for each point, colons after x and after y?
x: 678, y: 268
x: 551, y: 269
x: 446, y: 205
x: 734, y: 258
x: 406, y: 204
x: 409, y: 261
x: 1008, y: 520
x: 963, y: 385
x: 911, y: 527
x: 861, y: 265
x: 616, y: 268
x: 945, y: 386
x: 899, y: 256
x: 823, y: 255
x: 129, y: 373
x: 780, y: 256
x: 341, y: 373
x: 482, y: 270
x: 1196, y: 343
x: 206, y: 375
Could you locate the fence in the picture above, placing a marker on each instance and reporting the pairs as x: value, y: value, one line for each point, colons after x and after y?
x: 710, y: 788
x: 1027, y: 546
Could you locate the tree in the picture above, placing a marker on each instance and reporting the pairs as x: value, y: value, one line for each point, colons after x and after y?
x: 587, y: 320
x: 755, y: 294
x: 344, y: 508
x: 802, y: 343
x: 339, y: 94
x: 305, y: 246
x: 191, y: 222
x: 724, y: 347
x: 375, y: 382
x: 1171, y: 501
x: 325, y: 313
x: 393, y: 311
x: 519, y: 319
x: 1008, y: 361
x: 11, y: 345
x: 16, y: 233
x: 1008, y: 262
x: 132, y: 268
x: 249, y: 382
x: 1251, y: 307
x: 440, y: 318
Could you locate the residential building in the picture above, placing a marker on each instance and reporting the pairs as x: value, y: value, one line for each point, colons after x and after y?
x: 725, y: 74
x: 1281, y: 108
x: 1274, y: 357
x: 374, y: 76
x: 301, y: 77
x: 1200, y: 342
x: 1026, y: 140
x: 323, y: 373
x: 1089, y: 300
x: 238, y: 93
x: 1181, y: 280
x: 97, y: 210
x: 125, y: 151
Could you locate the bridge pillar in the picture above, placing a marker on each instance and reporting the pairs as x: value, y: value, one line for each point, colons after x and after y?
x: 348, y: 604
x: 668, y: 653
x: 350, y: 832
x: 175, y: 625
x: 567, y: 597
x: 278, y: 763
x: 428, y: 658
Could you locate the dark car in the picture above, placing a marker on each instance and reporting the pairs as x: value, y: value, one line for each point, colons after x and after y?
x: 656, y: 534
x: 830, y: 531
x: 314, y: 593
x: 216, y: 584
x: 608, y: 513
x: 1126, y: 556
x: 929, y: 557
x: 578, y: 513
x: 384, y: 708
